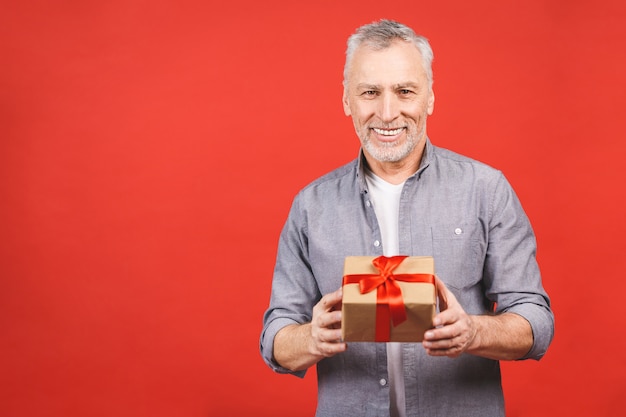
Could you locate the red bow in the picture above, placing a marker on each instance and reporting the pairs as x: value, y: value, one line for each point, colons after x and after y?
x: 389, y: 302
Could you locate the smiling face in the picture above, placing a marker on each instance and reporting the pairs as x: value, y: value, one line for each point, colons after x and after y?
x: 388, y: 96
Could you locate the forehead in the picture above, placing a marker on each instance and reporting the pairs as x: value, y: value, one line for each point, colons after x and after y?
x: 400, y: 62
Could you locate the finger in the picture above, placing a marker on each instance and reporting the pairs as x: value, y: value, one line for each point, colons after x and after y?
x: 448, y: 317
x: 453, y: 352
x: 331, y: 300
x: 446, y: 297
x: 330, y: 349
x: 442, y: 293
x: 330, y: 336
x: 447, y: 332
x: 445, y: 346
x: 329, y: 319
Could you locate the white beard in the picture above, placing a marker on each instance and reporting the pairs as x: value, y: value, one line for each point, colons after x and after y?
x: 391, y: 152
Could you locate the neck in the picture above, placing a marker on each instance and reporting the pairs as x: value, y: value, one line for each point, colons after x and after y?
x: 396, y: 172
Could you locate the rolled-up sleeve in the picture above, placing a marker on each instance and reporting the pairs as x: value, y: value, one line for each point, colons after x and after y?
x: 294, y: 289
x: 512, y: 277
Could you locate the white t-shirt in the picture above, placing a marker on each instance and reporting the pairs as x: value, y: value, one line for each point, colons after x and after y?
x: 385, y: 198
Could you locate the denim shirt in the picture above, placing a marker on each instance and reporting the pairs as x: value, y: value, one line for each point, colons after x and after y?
x: 463, y: 213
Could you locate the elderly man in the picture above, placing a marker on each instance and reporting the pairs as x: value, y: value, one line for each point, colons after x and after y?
x: 405, y: 196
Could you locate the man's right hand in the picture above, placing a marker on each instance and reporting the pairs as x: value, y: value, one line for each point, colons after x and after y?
x: 298, y: 346
x: 326, y: 326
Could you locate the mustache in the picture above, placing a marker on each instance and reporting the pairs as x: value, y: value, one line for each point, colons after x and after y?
x: 386, y: 126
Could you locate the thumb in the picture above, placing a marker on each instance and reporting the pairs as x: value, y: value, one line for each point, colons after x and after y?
x: 445, y: 296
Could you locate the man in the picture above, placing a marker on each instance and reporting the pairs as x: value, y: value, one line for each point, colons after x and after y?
x: 405, y: 196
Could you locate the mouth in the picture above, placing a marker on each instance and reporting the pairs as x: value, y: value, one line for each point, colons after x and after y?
x: 388, y: 133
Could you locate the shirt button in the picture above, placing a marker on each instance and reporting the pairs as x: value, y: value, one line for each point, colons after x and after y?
x: 458, y: 231
x: 368, y: 203
x: 376, y: 243
x: 382, y: 382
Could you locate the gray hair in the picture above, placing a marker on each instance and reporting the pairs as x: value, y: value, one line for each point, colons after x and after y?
x: 379, y: 35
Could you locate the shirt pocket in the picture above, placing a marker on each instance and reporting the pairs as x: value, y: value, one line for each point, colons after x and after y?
x: 459, y: 253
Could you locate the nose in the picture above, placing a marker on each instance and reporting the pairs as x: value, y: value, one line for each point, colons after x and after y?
x: 388, y: 107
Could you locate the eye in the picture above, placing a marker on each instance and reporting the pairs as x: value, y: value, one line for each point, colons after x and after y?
x: 405, y: 92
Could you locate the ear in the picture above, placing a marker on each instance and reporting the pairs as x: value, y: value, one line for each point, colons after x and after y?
x: 431, y: 102
x: 346, y: 103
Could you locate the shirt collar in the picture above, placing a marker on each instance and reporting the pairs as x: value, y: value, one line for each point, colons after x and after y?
x: 427, y: 158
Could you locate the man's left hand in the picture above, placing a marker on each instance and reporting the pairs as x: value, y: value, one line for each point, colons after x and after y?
x: 454, y: 330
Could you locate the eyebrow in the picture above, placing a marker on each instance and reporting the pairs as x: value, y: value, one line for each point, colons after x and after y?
x: 406, y: 84
x: 364, y: 86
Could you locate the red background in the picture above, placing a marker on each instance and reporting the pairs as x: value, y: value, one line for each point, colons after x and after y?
x: 149, y: 152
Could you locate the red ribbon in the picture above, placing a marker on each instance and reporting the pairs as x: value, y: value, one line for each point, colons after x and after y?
x: 389, y: 302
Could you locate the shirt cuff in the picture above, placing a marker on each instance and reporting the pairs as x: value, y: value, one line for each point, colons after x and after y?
x: 542, y: 324
x: 267, y: 346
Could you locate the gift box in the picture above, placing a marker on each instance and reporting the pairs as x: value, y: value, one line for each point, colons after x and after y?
x: 388, y: 299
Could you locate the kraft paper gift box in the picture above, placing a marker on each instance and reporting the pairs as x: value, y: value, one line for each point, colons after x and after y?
x: 371, y: 284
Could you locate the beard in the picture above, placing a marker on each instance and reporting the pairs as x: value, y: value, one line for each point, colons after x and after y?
x: 390, y: 151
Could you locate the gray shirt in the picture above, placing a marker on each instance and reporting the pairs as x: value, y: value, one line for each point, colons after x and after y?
x: 464, y: 214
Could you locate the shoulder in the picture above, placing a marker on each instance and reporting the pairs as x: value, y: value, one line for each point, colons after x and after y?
x: 448, y: 157
x: 326, y: 194
x: 336, y: 180
x: 450, y: 164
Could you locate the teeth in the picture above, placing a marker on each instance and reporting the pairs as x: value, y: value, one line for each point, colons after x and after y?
x: 385, y: 132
